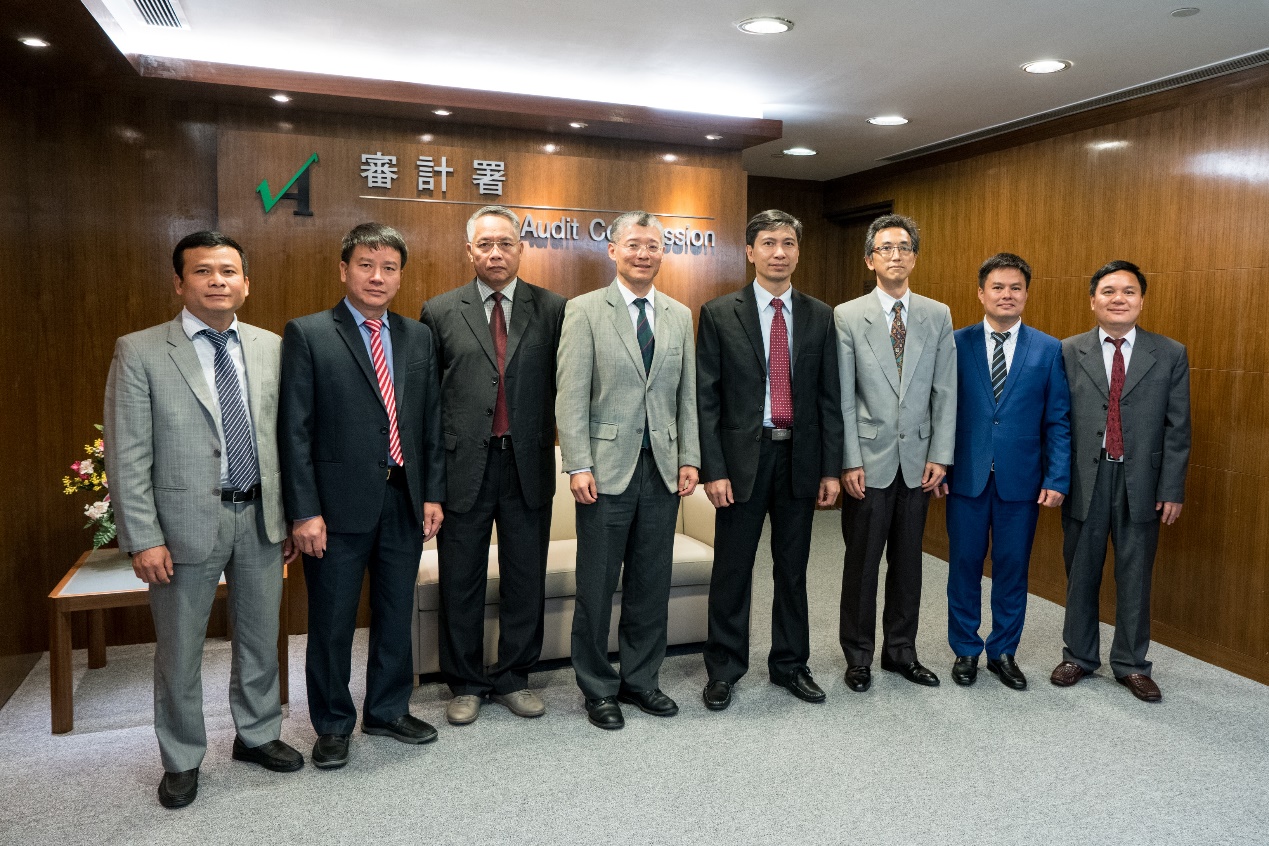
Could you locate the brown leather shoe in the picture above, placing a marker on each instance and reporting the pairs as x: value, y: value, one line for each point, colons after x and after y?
x: 1067, y: 673
x: 1142, y: 687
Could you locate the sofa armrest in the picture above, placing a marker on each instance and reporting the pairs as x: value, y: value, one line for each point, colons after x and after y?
x: 698, y: 516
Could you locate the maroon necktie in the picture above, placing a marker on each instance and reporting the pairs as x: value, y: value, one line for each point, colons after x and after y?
x: 778, y: 363
x: 498, y: 328
x: 1114, y: 424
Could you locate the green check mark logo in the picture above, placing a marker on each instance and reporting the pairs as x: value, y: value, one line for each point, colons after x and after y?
x: 270, y: 200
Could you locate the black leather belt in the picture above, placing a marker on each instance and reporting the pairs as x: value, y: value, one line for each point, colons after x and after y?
x: 231, y: 495
x: 503, y: 442
x: 1106, y: 457
x: 777, y: 434
x: 396, y: 476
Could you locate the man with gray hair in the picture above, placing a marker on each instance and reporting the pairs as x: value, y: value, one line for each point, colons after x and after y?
x: 496, y: 338
x: 626, y: 410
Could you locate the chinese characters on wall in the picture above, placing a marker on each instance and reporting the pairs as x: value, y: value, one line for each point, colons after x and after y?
x: 380, y: 170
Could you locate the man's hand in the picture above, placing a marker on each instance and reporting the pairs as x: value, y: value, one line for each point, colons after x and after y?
x: 1168, y: 512
x: 941, y: 491
x: 688, y: 477
x: 310, y: 536
x: 933, y: 476
x: 853, y: 482
x: 153, y: 566
x: 583, y: 487
x: 829, y: 489
x: 1050, y: 499
x: 719, y: 493
x: 433, y: 516
x: 290, y: 551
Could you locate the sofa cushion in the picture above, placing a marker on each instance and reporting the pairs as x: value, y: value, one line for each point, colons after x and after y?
x: 693, y: 562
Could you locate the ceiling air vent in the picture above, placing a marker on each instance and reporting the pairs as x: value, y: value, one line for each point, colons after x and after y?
x: 165, y: 13
x: 1240, y: 63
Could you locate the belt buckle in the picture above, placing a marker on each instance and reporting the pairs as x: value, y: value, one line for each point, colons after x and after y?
x: 781, y: 434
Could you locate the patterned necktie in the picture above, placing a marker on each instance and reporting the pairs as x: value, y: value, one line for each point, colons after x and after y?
x: 998, y: 371
x: 778, y: 365
x: 244, y: 472
x: 498, y: 328
x: 1114, y: 424
x: 385, y: 390
x: 647, y: 344
x: 898, y: 334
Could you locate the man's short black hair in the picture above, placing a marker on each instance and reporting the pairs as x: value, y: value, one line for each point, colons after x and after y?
x: 206, y: 238
x: 1003, y: 260
x: 372, y: 236
x: 1115, y: 267
x: 768, y: 220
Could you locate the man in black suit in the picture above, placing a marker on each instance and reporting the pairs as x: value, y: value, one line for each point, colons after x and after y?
x: 496, y: 339
x: 363, y: 469
x: 769, y: 403
x: 1130, y: 449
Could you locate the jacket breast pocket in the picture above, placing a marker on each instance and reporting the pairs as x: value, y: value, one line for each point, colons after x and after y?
x: 451, y: 441
x: 674, y: 430
x: 603, y: 431
x: 1156, y: 460
x: 924, y: 431
x: 867, y: 431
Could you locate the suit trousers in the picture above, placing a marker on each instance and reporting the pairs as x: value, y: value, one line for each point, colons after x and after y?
x: 463, y: 551
x: 737, y: 532
x: 391, y: 553
x: 890, y: 519
x: 635, y: 527
x: 1009, y: 527
x: 1084, y: 548
x: 253, y: 573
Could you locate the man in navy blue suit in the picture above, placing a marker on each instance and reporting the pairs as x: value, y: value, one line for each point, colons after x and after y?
x: 1013, y: 454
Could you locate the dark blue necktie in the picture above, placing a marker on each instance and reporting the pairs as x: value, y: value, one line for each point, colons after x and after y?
x: 647, y: 343
x: 998, y: 372
x: 244, y: 472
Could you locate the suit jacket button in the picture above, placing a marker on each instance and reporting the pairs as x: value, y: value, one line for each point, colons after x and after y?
x: 638, y: 431
x: 383, y: 462
x: 216, y: 453
x: 383, y: 431
x: 900, y: 436
x: 485, y: 442
x: 488, y: 411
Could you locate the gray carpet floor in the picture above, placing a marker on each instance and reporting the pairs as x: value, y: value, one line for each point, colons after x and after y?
x: 897, y: 765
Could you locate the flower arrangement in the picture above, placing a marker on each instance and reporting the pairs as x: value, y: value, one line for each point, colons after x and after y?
x: 89, y: 474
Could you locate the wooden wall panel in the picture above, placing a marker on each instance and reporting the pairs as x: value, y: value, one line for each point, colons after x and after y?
x: 1183, y: 192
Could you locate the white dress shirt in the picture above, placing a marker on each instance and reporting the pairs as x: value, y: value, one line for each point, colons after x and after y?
x: 630, y: 297
x: 1011, y: 343
x: 887, y: 305
x: 206, y: 351
x: 486, y: 297
x: 1108, y: 358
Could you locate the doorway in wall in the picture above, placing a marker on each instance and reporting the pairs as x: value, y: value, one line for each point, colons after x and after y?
x: 851, y: 278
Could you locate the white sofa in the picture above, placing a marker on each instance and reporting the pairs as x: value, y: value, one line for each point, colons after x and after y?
x: 689, y: 591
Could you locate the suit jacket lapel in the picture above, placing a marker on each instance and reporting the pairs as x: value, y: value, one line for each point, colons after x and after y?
x: 1091, y: 361
x: 660, y: 333
x: 747, y: 316
x: 1142, y: 360
x: 346, y: 326
x: 473, y: 311
x: 878, y: 336
x: 1021, y: 346
x: 978, y: 358
x: 625, y: 329
x: 255, y: 367
x: 523, y: 310
x: 185, y: 357
x: 801, y: 320
x: 914, y: 344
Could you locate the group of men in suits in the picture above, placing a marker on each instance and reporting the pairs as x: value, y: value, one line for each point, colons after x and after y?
x: 360, y: 434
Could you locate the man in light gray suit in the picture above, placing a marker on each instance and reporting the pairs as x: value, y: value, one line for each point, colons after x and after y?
x: 1130, y: 450
x: 626, y: 415
x: 191, y: 453
x: 897, y: 360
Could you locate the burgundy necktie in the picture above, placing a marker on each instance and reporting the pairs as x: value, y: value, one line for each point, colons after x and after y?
x: 778, y: 363
x: 385, y: 390
x: 1114, y: 424
x: 498, y: 328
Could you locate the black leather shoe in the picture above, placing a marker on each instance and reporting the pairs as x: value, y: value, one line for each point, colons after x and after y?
x: 176, y: 790
x: 1007, y: 671
x: 605, y: 713
x: 858, y: 678
x: 406, y: 728
x: 652, y: 702
x: 330, y: 752
x: 965, y: 669
x: 914, y: 671
x: 274, y: 755
x: 800, y: 684
x: 717, y: 695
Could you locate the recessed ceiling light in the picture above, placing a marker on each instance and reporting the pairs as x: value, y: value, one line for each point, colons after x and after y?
x: 40, y: 42
x: 442, y: 112
x: 426, y: 137
x: 713, y: 137
x: 887, y: 120
x: 577, y: 124
x: 799, y: 151
x: 550, y: 148
x: 670, y: 157
x: 280, y: 98
x: 1046, y: 66
x: 1184, y: 12
x: 764, y: 26
x: 1107, y: 145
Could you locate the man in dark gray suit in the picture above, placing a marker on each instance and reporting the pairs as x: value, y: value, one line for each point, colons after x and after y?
x: 1130, y: 450
x: 769, y: 402
x: 191, y: 452
x: 496, y: 339
x: 626, y: 407
x: 364, y: 471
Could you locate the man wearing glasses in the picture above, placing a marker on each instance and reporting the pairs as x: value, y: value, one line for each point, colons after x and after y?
x: 626, y: 408
x: 496, y: 339
x: 897, y: 359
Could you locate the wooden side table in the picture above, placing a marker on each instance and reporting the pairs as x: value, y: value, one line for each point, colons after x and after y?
x: 99, y: 580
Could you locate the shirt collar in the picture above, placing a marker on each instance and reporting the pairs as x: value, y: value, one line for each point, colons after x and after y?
x: 192, y: 325
x: 630, y: 296
x: 508, y: 290
x: 887, y: 301
x: 1012, y: 330
x: 764, y: 298
x: 1130, y: 338
x: 361, y: 318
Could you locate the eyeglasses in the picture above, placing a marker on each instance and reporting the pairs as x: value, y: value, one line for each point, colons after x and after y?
x: 634, y: 248
x: 488, y: 246
x: 905, y: 250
